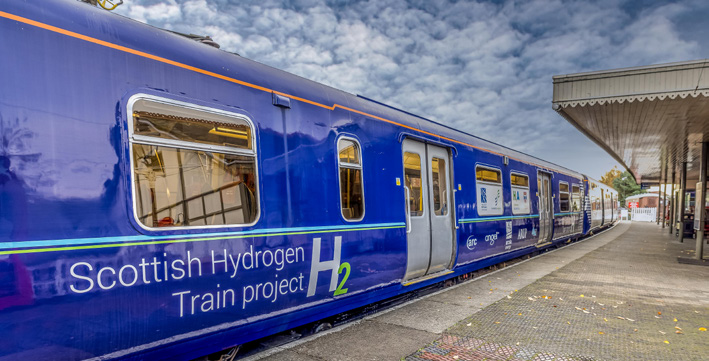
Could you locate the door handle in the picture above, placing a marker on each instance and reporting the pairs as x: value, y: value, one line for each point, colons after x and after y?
x: 408, y: 211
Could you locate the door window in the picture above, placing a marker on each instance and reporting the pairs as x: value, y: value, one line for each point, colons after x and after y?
x: 412, y: 179
x: 440, y: 185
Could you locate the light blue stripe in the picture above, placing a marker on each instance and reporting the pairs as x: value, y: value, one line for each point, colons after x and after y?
x: 566, y: 214
x: 501, y: 218
x: 79, y: 241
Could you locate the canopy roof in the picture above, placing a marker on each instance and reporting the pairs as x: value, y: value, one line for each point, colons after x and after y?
x: 643, y: 116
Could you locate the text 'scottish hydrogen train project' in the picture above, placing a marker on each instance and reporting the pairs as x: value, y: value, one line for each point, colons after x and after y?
x: 163, y: 199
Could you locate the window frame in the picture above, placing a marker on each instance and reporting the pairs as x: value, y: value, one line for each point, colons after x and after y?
x: 580, y: 196
x: 181, y: 144
x: 519, y: 173
x: 501, y: 185
x: 568, y: 194
x: 350, y: 166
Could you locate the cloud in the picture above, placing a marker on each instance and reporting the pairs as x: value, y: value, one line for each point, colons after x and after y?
x: 482, y: 67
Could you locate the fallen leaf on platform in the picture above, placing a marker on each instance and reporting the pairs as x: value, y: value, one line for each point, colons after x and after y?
x: 530, y: 298
x: 667, y: 342
x: 509, y: 297
x: 470, y: 324
x: 630, y: 319
x: 679, y: 328
x: 659, y: 313
x: 620, y: 318
x: 703, y: 329
x: 600, y: 304
x: 554, y: 305
x: 662, y: 332
x: 658, y: 317
x: 568, y: 322
x: 635, y: 330
x: 561, y: 299
x: 577, y: 308
x: 497, y: 322
x: 455, y: 357
x: 601, y: 332
x: 582, y: 296
x: 605, y: 319
x: 584, y: 311
x: 519, y: 314
x: 675, y: 320
x: 679, y: 332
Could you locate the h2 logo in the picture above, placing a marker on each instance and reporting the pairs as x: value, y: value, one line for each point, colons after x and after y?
x: 333, y: 265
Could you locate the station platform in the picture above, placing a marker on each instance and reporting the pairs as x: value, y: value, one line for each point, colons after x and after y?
x: 619, y: 295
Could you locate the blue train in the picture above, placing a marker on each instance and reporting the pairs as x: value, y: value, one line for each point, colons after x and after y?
x: 163, y: 199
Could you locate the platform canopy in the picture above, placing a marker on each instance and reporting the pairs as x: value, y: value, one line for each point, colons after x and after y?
x: 645, y: 117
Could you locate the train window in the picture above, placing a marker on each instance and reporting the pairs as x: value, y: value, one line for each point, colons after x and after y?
x: 519, y: 180
x: 440, y: 191
x: 412, y: 180
x: 520, y: 193
x: 575, y: 198
x: 489, y: 191
x: 192, y: 166
x: 564, y: 197
x: 488, y: 175
x: 351, y: 189
x: 166, y: 121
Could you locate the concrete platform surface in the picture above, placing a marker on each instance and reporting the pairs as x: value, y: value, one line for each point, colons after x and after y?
x: 620, y: 295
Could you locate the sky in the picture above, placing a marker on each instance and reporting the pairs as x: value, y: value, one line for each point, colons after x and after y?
x: 483, y: 67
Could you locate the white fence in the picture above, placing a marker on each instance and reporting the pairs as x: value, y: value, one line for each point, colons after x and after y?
x: 643, y: 214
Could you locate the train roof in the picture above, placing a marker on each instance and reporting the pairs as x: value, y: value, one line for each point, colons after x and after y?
x: 100, y: 27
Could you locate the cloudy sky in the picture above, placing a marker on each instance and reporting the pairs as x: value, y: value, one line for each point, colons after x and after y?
x: 484, y: 67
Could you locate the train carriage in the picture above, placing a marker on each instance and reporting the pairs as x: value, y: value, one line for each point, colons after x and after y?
x: 163, y: 199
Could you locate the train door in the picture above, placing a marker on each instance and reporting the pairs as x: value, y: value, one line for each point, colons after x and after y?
x: 427, y: 184
x: 546, y: 207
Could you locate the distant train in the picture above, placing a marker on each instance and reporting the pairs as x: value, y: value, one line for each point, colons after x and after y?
x: 163, y: 199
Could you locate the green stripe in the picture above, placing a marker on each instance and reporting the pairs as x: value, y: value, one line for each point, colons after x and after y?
x: 98, y: 246
x: 495, y: 219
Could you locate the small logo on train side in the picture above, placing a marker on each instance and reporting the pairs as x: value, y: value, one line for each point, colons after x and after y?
x: 471, y: 243
x: 491, y: 238
x: 483, y: 195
